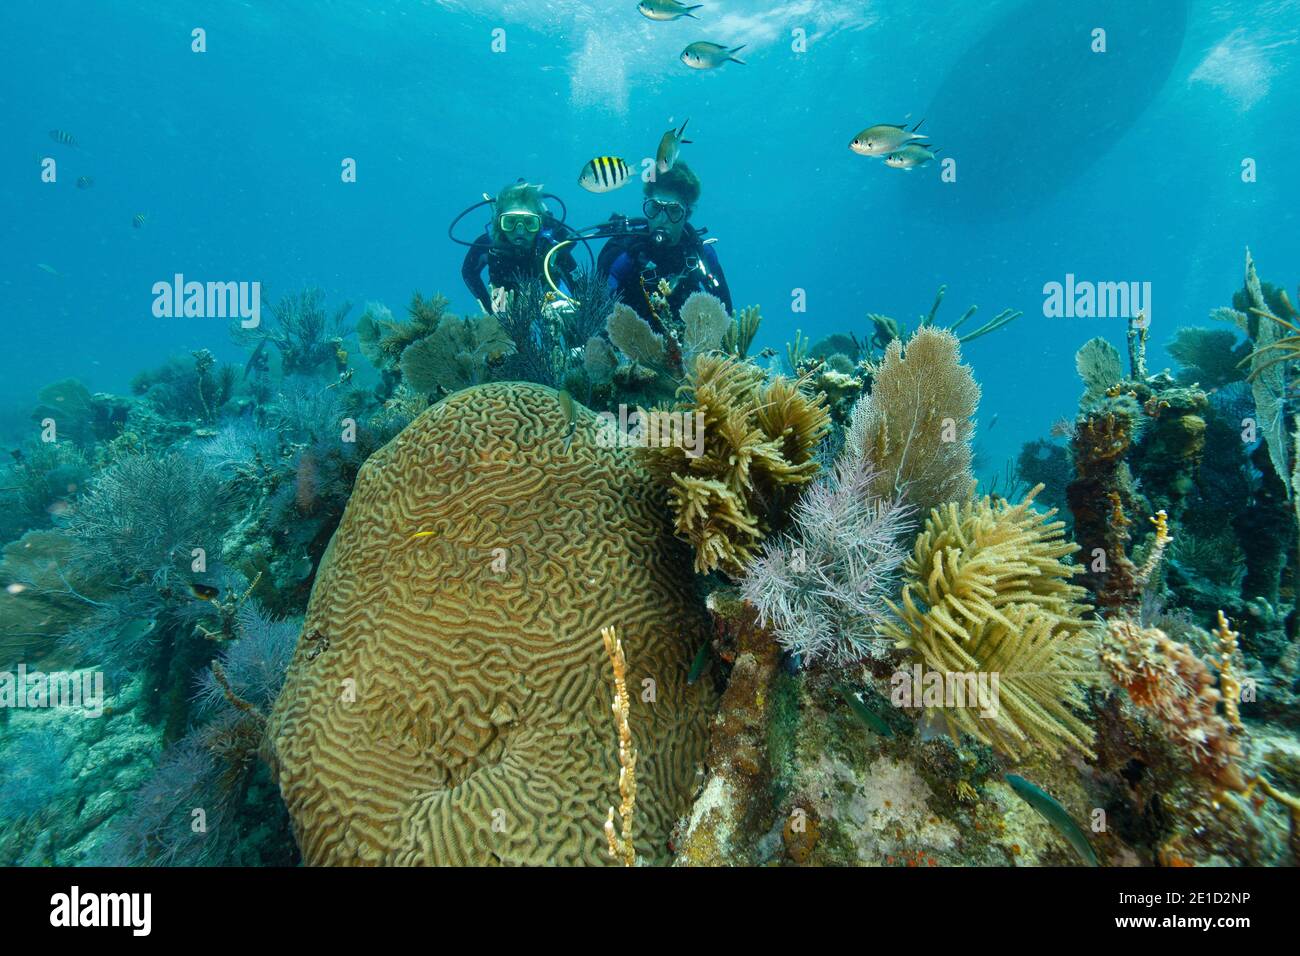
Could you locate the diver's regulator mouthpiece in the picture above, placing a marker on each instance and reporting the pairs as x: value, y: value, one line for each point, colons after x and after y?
x: 660, y: 236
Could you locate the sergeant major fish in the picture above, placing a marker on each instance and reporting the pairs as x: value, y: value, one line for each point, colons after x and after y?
x: 709, y: 56
x: 665, y: 10
x: 604, y: 174
x: 883, y: 139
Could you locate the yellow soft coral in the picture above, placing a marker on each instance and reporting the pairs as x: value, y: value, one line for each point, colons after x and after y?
x: 759, y: 442
x: 987, y: 593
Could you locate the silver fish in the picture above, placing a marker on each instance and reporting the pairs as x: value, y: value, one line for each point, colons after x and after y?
x: 883, y: 139
x: 709, y: 56
x: 669, y: 148
x: 910, y: 156
x: 665, y: 10
x: 570, y: 411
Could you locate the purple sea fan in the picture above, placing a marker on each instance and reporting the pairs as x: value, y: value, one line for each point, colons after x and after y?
x: 821, y: 588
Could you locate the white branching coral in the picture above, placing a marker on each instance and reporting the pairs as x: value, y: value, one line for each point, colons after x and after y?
x: 822, y: 587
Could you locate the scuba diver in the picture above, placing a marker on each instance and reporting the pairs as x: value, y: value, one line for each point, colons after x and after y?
x: 515, y: 245
x: 664, y: 246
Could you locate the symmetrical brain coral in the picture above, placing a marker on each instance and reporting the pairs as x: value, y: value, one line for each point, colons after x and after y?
x: 449, y: 702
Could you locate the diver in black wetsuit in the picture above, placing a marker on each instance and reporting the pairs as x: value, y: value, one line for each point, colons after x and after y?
x: 521, y: 234
x: 669, y: 248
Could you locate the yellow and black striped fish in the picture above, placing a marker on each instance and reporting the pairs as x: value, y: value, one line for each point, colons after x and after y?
x: 138, y: 220
x: 85, y: 182
x: 63, y: 137
x: 604, y: 174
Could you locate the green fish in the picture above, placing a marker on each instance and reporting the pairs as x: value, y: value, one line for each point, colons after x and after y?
x: 709, y: 56
x: 570, y: 410
x: 665, y: 10
x: 135, y: 630
x: 910, y: 156
x: 869, y: 718
x: 883, y: 139
x: 1055, y: 814
x: 699, y: 665
x: 669, y: 147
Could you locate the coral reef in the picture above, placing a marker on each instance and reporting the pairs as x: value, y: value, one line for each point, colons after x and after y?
x: 458, y: 354
x: 1209, y: 358
x: 986, y: 592
x: 822, y: 587
x: 1178, y: 691
x: 759, y: 440
x: 621, y: 844
x: 916, y: 424
x: 457, y: 680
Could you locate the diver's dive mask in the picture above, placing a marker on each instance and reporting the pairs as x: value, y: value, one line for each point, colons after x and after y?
x: 512, y: 222
x: 653, y: 208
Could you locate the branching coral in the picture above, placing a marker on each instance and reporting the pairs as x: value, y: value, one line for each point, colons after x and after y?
x: 822, y: 587
x: 987, y: 592
x: 917, y: 423
x: 886, y: 330
x: 1170, y: 683
x: 384, y: 338
x: 254, y: 663
x: 1097, y: 498
x: 144, y: 515
x: 744, y: 327
x: 306, y: 336
x: 621, y: 846
x: 759, y: 440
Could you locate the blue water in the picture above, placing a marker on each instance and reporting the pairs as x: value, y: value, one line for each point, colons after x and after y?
x: 1125, y: 171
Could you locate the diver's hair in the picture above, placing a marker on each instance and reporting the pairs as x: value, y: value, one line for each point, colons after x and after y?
x: 681, y: 181
x: 521, y: 195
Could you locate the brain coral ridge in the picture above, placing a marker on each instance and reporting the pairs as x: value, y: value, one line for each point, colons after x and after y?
x: 449, y: 698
